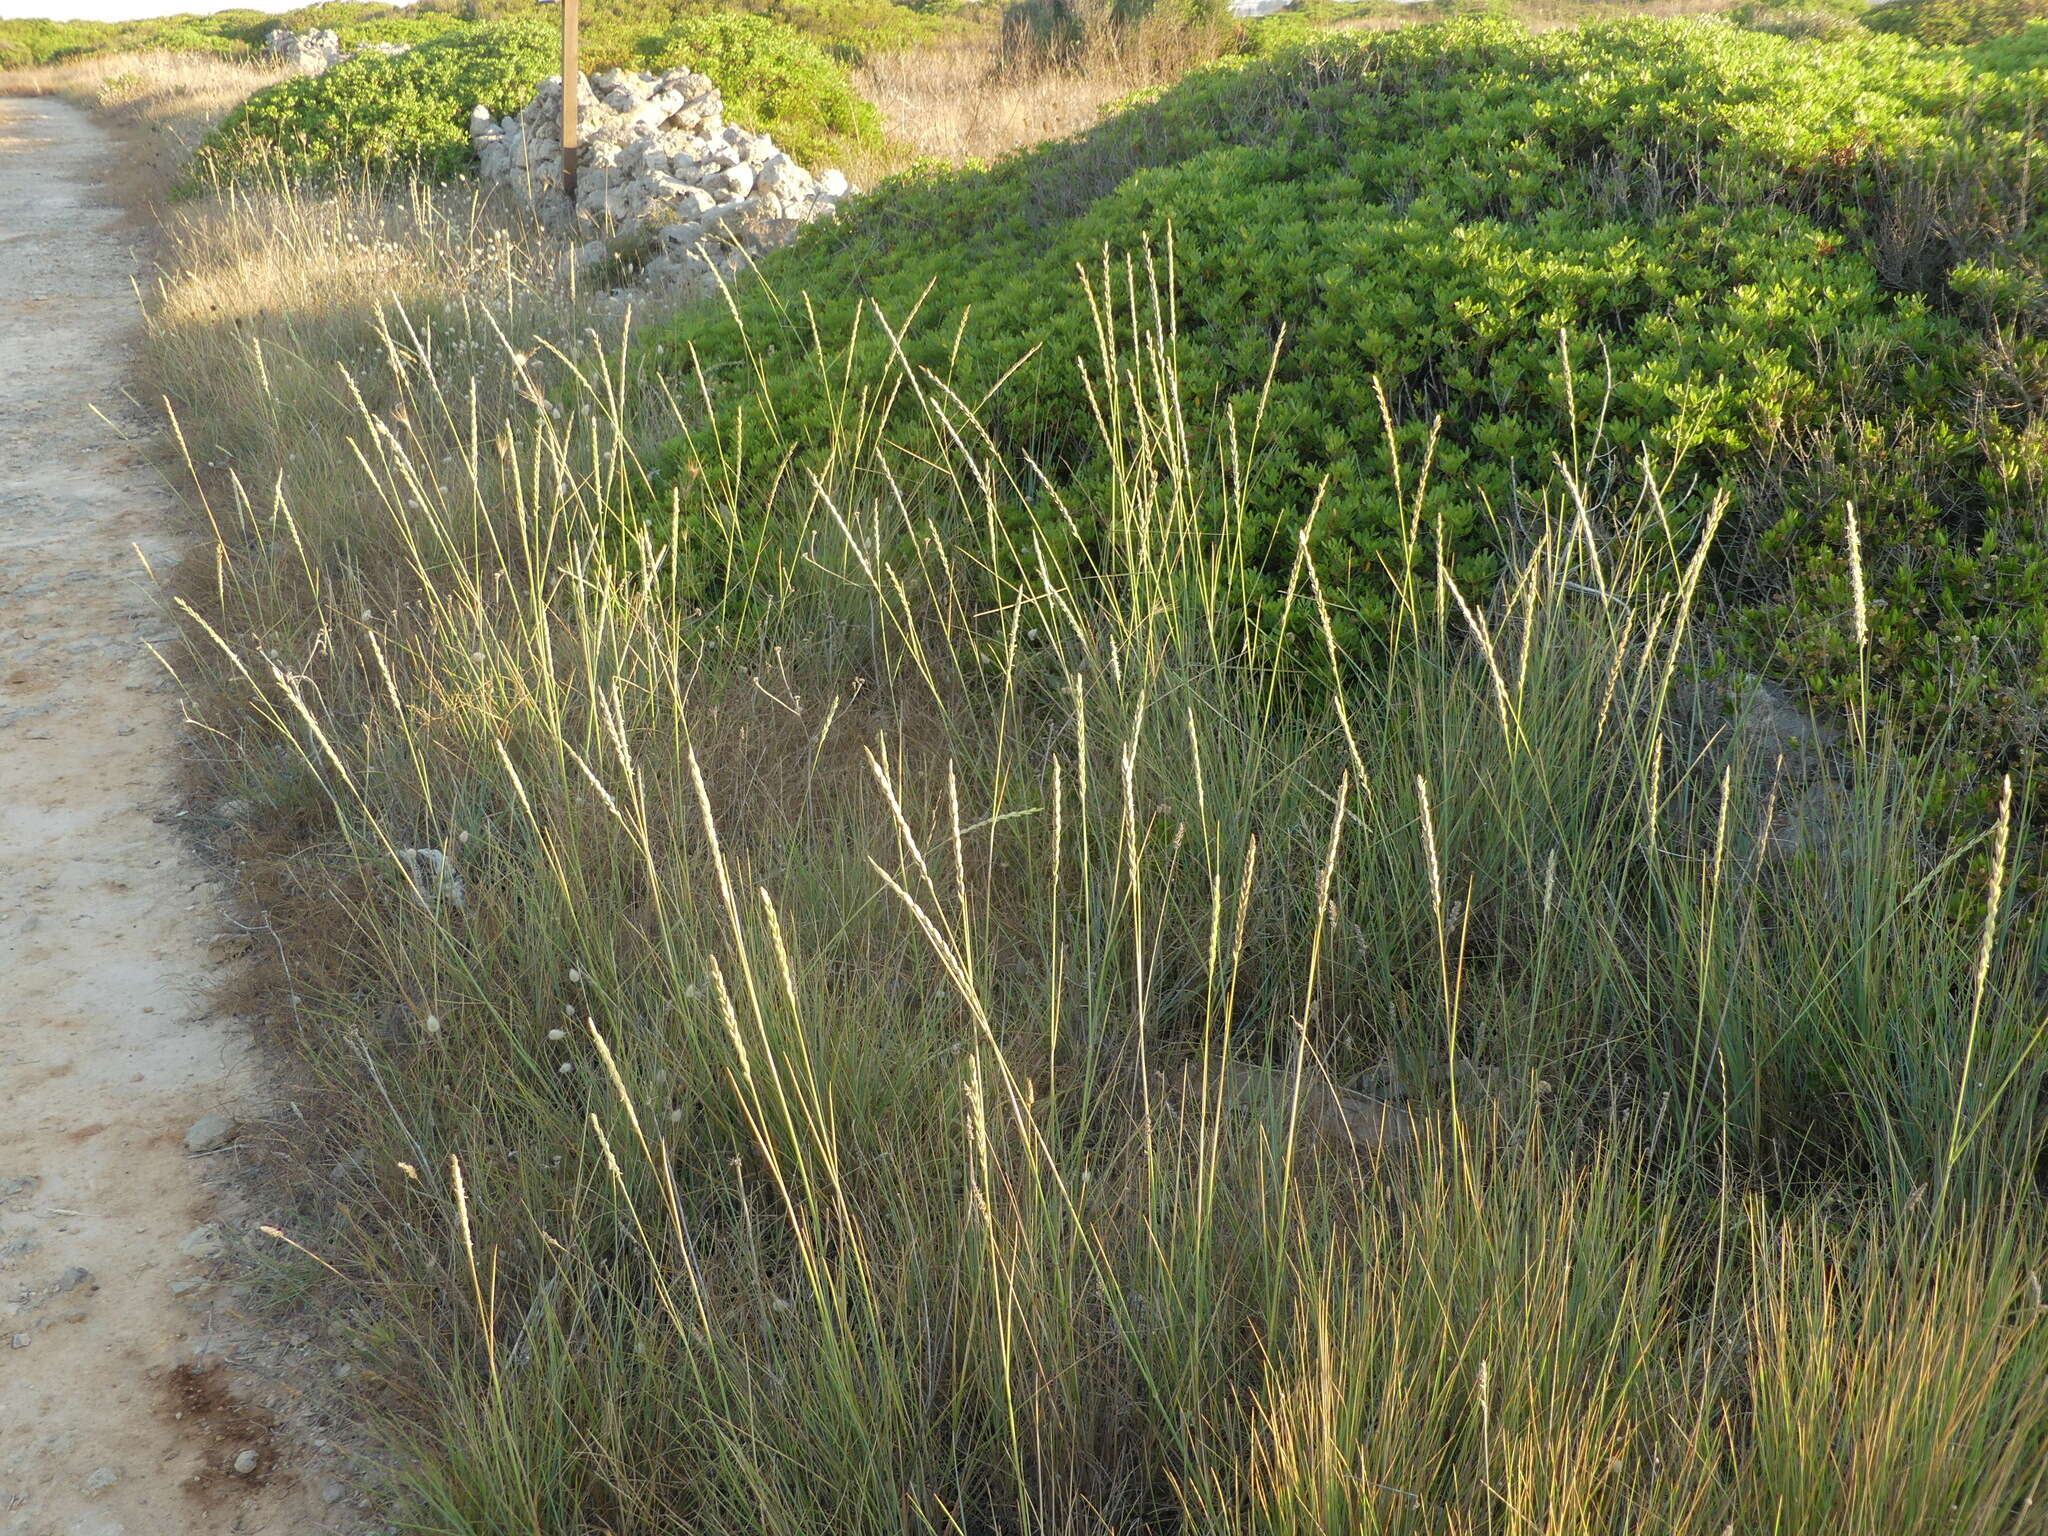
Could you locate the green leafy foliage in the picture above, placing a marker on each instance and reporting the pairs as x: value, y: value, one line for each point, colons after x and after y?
x: 1950, y: 23
x: 614, y: 30
x: 410, y: 113
x: 235, y: 32
x: 38, y: 41
x: 774, y: 80
x: 1798, y: 274
x: 2021, y: 51
x: 356, y: 22
x: 387, y: 114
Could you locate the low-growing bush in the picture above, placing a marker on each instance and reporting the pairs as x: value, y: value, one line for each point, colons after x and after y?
x: 407, y: 113
x: 774, y: 80
x: 1801, y: 18
x: 410, y: 113
x: 232, y: 32
x: 613, y: 30
x: 2014, y: 54
x: 37, y: 41
x: 356, y: 22
x: 1952, y: 23
x: 1807, y: 273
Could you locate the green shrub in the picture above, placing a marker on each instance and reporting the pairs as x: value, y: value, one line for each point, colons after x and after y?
x: 1800, y: 274
x: 234, y: 32
x: 1801, y: 18
x: 246, y: 26
x: 2009, y: 55
x: 401, y: 114
x: 49, y: 42
x: 1952, y: 23
x: 612, y: 30
x: 356, y: 22
x: 773, y: 79
x: 192, y: 40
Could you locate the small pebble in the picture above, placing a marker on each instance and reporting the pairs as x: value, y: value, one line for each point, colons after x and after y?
x: 246, y: 1463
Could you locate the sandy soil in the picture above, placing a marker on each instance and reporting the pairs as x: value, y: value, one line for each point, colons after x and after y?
x: 125, y: 1402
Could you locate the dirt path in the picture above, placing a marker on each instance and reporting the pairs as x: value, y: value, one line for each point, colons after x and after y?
x: 122, y: 1406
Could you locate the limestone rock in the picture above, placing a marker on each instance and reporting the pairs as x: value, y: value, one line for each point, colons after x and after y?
x: 319, y: 50
x: 656, y: 154
x: 210, y: 1133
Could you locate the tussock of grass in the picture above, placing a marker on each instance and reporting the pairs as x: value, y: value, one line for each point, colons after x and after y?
x: 864, y: 1084
x: 877, y: 1074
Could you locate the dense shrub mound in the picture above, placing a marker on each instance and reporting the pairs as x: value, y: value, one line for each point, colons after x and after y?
x: 1800, y: 273
x: 410, y: 113
x: 403, y: 113
x: 34, y: 40
x: 614, y: 30
x: 356, y: 22
x: 774, y: 80
x: 1948, y: 23
x: 237, y: 32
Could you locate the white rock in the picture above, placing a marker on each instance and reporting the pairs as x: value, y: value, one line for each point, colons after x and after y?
x: 432, y: 876
x: 210, y: 1133
x: 657, y: 152
x: 205, y: 1243
x: 681, y: 237
x: 782, y: 174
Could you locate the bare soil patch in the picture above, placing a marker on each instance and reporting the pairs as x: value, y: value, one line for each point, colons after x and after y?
x: 116, y: 1243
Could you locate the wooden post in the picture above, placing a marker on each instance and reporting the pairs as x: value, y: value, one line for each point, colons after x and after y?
x: 571, y: 90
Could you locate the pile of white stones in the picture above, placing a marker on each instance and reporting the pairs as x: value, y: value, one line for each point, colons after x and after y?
x: 317, y: 51
x: 658, y: 155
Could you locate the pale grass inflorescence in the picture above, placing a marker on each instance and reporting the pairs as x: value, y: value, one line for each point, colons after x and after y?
x: 881, y: 1067
x: 968, y: 1012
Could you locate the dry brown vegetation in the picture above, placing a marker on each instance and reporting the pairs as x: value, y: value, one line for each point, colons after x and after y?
x: 954, y: 103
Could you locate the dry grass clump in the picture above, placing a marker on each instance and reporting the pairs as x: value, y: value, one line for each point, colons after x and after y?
x: 869, y: 1079
x: 957, y: 102
x: 272, y: 321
